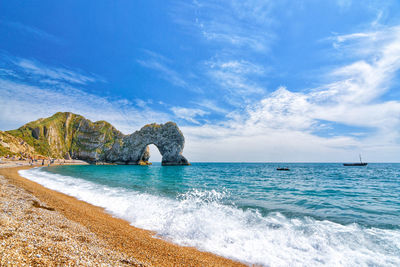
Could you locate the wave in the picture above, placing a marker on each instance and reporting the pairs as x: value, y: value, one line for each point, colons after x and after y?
x: 198, y: 218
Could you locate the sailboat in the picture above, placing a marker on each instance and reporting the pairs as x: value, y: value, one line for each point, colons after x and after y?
x: 356, y: 164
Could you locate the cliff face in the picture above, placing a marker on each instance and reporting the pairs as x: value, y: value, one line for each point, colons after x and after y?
x: 10, y: 145
x: 67, y: 134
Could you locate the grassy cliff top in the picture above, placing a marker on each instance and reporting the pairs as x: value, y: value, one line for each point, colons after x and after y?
x: 61, y: 118
x: 53, y: 136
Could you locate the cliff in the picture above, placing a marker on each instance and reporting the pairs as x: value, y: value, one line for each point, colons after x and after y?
x: 14, y: 146
x: 70, y: 135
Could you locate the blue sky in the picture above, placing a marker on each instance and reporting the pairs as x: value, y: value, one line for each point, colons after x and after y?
x: 245, y: 80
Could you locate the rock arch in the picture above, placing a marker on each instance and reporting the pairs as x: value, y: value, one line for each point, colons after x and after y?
x: 133, y: 149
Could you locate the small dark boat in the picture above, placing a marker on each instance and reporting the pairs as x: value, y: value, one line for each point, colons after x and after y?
x: 282, y: 169
x: 356, y: 164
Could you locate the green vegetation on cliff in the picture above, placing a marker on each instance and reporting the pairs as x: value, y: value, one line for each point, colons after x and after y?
x: 65, y: 132
x: 5, y: 151
x: 11, y: 145
x: 69, y: 135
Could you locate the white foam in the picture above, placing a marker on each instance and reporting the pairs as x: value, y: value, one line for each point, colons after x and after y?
x: 199, y: 219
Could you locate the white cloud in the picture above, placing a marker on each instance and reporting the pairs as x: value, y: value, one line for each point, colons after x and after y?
x: 9, y: 73
x: 22, y: 103
x: 53, y: 75
x: 354, y: 97
x: 189, y: 114
x: 210, y: 105
x: 282, y: 110
x: 272, y: 146
x: 240, y: 24
x: 240, y: 31
x: 359, y: 35
x: 282, y: 126
x: 367, y: 79
x: 236, y: 77
x: 365, y: 44
x: 162, y: 65
x: 143, y: 104
x: 45, y: 90
x: 238, y: 67
x: 166, y: 72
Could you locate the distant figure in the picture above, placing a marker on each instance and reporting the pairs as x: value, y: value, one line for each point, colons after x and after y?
x: 42, y: 162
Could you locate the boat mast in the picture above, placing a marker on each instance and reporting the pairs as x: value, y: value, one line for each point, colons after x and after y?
x: 360, y: 158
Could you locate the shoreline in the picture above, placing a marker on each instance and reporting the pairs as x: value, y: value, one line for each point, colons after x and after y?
x: 117, y: 233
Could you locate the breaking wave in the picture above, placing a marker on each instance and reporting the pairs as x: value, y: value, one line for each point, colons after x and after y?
x: 201, y: 219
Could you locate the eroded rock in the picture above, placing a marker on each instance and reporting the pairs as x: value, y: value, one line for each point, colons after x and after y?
x: 166, y: 137
x: 66, y: 134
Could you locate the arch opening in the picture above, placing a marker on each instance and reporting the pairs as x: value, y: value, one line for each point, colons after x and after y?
x: 151, y: 154
x: 155, y: 155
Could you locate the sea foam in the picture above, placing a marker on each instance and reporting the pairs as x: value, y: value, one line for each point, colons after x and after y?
x: 198, y: 218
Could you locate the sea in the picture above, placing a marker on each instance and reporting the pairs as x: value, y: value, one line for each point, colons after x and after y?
x: 316, y: 214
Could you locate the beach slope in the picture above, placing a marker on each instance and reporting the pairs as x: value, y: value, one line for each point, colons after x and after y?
x: 45, y: 227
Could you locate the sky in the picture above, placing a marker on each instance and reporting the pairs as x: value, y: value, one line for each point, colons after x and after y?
x: 246, y: 81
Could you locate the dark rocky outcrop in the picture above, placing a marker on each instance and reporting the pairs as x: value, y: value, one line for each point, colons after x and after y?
x: 36, y: 133
x: 69, y: 134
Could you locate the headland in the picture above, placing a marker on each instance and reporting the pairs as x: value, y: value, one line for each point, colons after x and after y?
x: 71, y: 136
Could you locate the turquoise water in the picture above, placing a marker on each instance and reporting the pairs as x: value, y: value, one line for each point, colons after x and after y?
x: 315, y: 214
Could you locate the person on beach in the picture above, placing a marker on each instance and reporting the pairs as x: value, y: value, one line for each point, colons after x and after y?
x: 42, y: 162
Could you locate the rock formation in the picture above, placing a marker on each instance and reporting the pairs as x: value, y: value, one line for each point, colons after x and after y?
x: 70, y: 134
x: 134, y: 148
x: 14, y: 146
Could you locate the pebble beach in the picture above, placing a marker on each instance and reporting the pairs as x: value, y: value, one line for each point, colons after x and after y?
x: 41, y: 227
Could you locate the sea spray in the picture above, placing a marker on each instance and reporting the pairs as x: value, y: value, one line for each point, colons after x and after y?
x: 208, y: 220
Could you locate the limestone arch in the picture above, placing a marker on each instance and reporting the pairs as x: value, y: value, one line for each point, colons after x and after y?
x: 166, y: 137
